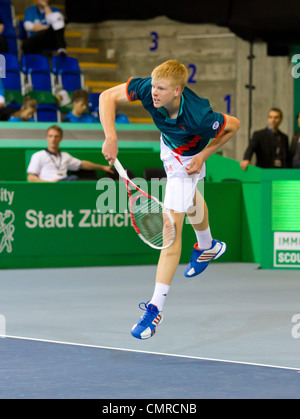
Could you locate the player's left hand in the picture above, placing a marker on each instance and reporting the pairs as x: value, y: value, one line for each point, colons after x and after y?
x: 195, y: 165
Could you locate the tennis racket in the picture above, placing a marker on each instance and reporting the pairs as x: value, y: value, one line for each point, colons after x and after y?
x: 152, y: 222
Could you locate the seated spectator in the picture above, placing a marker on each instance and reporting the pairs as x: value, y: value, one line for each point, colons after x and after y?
x: 80, y: 104
x: 45, y: 29
x: 25, y: 114
x: 295, y: 146
x: 52, y: 165
x: 3, y: 41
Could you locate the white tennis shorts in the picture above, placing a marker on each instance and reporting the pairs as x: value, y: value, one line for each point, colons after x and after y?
x: 181, y: 187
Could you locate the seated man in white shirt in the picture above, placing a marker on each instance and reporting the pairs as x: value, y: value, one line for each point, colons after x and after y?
x: 52, y: 165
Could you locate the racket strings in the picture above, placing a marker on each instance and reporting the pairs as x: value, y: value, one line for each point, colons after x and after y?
x: 153, y: 221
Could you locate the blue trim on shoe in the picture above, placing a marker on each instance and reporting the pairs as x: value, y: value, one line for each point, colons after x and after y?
x: 146, y: 326
x: 200, y: 259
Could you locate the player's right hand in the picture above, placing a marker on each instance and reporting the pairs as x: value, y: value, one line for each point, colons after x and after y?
x: 110, y: 150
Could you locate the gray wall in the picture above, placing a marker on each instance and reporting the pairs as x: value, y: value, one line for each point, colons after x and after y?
x: 221, y: 62
x: 220, y: 58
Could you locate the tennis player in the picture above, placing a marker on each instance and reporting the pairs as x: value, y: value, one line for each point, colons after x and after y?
x: 187, y: 124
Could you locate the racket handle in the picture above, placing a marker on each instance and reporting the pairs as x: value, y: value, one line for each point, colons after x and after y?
x: 120, y: 169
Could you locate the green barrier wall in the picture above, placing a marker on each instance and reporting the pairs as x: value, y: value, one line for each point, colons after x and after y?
x: 55, y: 225
x: 280, y: 232
x: 15, y: 155
x: 243, y: 209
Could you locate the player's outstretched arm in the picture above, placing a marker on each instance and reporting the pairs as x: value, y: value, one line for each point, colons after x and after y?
x: 108, y: 103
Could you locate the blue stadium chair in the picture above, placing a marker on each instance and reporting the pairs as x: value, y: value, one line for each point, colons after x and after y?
x: 68, y: 73
x: 70, y: 82
x: 38, y: 72
x: 12, y: 62
x: 15, y: 79
x: 40, y: 81
x: 9, y: 30
x: 35, y: 62
x: 94, y: 102
x: 12, y: 43
x: 7, y: 13
x: 22, y: 34
x: 47, y: 113
x: 65, y: 64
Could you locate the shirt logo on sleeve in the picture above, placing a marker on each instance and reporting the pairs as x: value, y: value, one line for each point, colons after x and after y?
x: 133, y: 96
x: 216, y: 125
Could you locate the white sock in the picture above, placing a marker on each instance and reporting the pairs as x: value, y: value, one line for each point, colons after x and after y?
x: 159, y: 295
x: 204, y: 239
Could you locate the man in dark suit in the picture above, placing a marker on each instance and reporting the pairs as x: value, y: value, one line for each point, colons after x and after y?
x: 270, y: 145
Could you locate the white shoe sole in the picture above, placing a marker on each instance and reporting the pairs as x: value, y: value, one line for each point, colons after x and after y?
x: 147, y: 333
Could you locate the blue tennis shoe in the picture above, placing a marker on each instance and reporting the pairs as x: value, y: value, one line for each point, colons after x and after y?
x: 146, y: 327
x: 200, y: 259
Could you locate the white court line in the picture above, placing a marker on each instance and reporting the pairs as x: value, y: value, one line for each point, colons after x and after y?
x: 150, y: 353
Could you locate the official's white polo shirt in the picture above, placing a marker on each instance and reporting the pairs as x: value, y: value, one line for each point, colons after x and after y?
x: 47, y: 166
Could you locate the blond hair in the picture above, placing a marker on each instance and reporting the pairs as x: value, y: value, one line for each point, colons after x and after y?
x: 173, y: 71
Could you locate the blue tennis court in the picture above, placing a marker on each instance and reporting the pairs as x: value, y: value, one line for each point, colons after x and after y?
x: 227, y: 335
x: 41, y: 370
